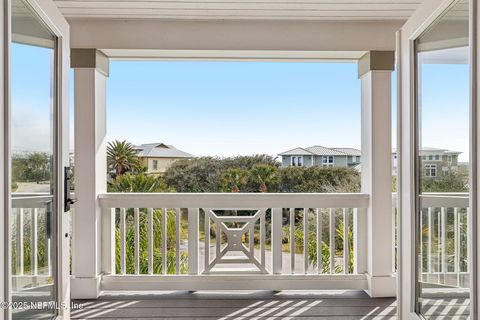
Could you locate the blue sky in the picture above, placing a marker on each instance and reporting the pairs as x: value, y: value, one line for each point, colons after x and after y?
x: 31, y: 98
x: 445, y: 107
x: 230, y: 108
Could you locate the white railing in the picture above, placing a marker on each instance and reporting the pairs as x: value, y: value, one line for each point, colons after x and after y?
x: 237, y: 241
x: 444, y: 238
x: 30, y: 239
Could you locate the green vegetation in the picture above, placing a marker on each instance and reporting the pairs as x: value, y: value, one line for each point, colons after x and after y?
x: 31, y: 167
x: 122, y: 158
x: 259, y: 173
x: 143, y: 243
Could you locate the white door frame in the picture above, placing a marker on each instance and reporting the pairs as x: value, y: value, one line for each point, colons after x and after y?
x: 426, y: 14
x: 51, y: 16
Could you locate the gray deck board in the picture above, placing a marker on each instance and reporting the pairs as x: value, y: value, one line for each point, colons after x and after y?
x: 221, y: 305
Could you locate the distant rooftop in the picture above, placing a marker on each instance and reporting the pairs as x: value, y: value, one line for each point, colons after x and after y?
x: 430, y: 150
x: 161, y: 150
x: 322, y: 151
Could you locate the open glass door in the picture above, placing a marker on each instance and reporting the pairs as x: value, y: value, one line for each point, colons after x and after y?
x: 33, y: 166
x: 442, y: 65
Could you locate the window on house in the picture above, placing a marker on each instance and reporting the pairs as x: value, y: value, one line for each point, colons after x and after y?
x: 155, y: 164
x: 437, y: 157
x: 327, y: 161
x: 297, y: 161
x: 430, y: 157
x: 431, y: 170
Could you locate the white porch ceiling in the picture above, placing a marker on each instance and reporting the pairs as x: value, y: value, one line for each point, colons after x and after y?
x: 241, y: 9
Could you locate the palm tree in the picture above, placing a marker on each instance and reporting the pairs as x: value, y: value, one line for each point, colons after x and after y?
x: 234, y: 179
x: 122, y: 157
x: 265, y: 175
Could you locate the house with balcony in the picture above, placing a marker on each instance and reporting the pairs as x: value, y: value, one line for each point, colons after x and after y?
x: 158, y: 157
x: 411, y: 254
x: 321, y: 156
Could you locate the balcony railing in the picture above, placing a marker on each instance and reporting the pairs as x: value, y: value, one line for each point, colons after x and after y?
x: 444, y: 238
x: 237, y: 241
x: 241, y: 240
x: 31, y: 254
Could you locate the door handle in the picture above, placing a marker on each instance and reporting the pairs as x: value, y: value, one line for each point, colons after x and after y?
x: 67, y: 184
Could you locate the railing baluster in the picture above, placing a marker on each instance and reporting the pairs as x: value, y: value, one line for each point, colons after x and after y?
x: 193, y: 220
x: 332, y: 240
x: 262, y: 237
x: 150, y: 240
x: 421, y: 246
x: 164, y: 241
x: 177, y: 240
x: 429, y: 241
x: 20, y: 247
x: 444, y: 239
x: 468, y: 222
x: 439, y: 239
x: 319, y: 241
x: 34, y: 246
x: 251, y: 238
x: 456, y: 238
x: 346, y: 251
x: 277, y: 235
x: 207, y: 240
x: 136, y: 214
x: 122, y: 241
x: 305, y: 240
x: 292, y: 240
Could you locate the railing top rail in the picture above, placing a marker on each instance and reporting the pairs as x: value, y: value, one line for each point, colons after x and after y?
x: 444, y: 201
x: 234, y: 200
x: 30, y: 201
x: 440, y: 199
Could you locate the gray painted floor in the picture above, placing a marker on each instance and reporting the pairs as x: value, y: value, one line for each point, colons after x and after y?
x: 223, y: 305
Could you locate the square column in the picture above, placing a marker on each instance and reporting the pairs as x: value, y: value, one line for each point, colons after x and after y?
x: 375, y: 70
x: 91, y: 72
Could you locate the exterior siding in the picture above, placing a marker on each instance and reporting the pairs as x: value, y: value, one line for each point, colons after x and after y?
x: 338, y: 161
x: 162, y: 166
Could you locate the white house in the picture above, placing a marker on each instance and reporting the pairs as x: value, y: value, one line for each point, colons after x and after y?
x: 158, y: 157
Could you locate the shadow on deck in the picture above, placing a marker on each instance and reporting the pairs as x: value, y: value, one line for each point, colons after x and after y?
x: 229, y: 305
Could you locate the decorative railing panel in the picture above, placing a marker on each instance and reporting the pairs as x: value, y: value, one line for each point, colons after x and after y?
x: 233, y: 234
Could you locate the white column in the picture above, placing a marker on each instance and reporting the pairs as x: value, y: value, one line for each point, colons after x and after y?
x: 91, y: 71
x: 375, y: 75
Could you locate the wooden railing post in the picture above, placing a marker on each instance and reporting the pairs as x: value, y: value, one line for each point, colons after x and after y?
x: 193, y: 221
x: 108, y: 241
x: 360, y: 239
x: 277, y: 234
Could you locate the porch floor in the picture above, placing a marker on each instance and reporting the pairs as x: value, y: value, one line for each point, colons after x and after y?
x: 227, y: 305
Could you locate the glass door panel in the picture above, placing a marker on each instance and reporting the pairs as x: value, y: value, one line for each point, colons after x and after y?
x: 442, y: 166
x: 33, y: 130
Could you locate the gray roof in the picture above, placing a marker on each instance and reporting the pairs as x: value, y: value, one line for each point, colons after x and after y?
x: 430, y: 150
x: 296, y: 152
x: 322, y: 151
x: 160, y: 150
x: 349, y: 151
